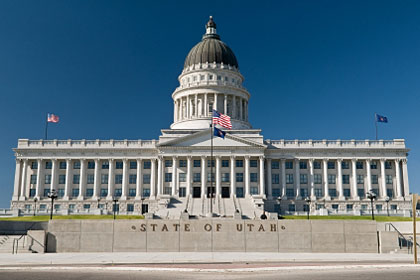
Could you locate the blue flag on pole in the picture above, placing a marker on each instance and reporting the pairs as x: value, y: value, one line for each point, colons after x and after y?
x: 219, y: 133
x: 380, y: 118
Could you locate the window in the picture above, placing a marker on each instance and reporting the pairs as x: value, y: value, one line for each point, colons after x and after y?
x: 317, y: 164
x: 345, y: 165
x: 119, y: 165
x: 182, y: 163
x: 146, y: 192
x: 89, y: 192
x: 147, y: 164
x: 168, y: 177
x: 115, y: 207
x: 317, y: 179
x: 239, y: 163
x: 117, y: 192
x: 62, y: 165
x: 376, y: 192
x: 196, y: 177
x: 239, y: 192
x: 75, y: 192
x: 331, y: 165
x: 182, y: 177
x: 378, y: 207
x: 105, y: 165
x: 303, y: 193
x: 76, y: 165
x: 132, y: 178
x: 197, y: 163
x: 48, y: 179
x: 225, y: 177
x: 104, y: 192
x: 361, y: 193
x: 254, y: 177
x: 76, y: 179
x: 91, y: 165
x: 182, y: 192
x: 86, y: 206
x: 360, y: 179
x: 219, y: 78
x: 292, y: 208
x: 290, y: 192
x: 388, y: 165
x: 276, y: 192
x: 374, y: 179
x: 34, y: 165
x: 275, y: 178
x: 303, y: 165
x: 32, y: 192
x: 388, y: 179
x: 289, y: 164
x: 48, y: 165
x: 61, y: 179
x: 275, y: 165
x: 118, y: 179
x: 201, y: 77
x: 334, y: 206
x: 33, y: 179
x: 239, y: 177
x: 346, y: 192
x: 359, y: 165
x: 289, y: 178
x: 132, y: 192
x: 226, y: 79
x: 349, y: 207
x: 72, y: 206
x: 104, y: 179
x: 373, y: 164
x: 253, y: 163
x: 303, y: 178
x: 331, y: 179
x: 46, y: 192
x: 210, y: 163
x: 305, y: 207
x: 318, y: 192
x: 130, y: 207
x: 225, y: 163
x: 90, y: 178
x: 133, y: 164
x: 393, y: 207
x: 389, y: 193
x: 60, y: 193
x: 332, y: 192
x: 253, y: 190
x: 346, y: 179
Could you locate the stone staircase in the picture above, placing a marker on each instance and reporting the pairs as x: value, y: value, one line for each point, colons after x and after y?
x: 173, y: 209
x: 21, y: 241
x: 248, y: 208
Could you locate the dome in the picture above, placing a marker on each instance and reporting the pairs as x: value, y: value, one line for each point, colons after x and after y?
x: 211, y: 49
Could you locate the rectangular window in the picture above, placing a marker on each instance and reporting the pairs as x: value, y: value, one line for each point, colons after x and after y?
x: 379, y: 207
x: 62, y: 165
x: 60, y: 193
x: 118, y: 179
x: 147, y: 164
x: 33, y: 179
x: 276, y: 192
x: 46, y: 192
x: 239, y: 163
x: 291, y: 208
x: 104, y: 192
x: 182, y: 192
x: 48, y: 165
x: 318, y: 192
x: 90, y: 178
x: 89, y: 192
x: 225, y: 163
x: 34, y: 165
x: 373, y: 164
x: 219, y: 78
x: 334, y: 206
x: 349, y: 207
x: 146, y: 192
x: 361, y: 193
x: 317, y: 179
x: 275, y: 178
x: 359, y: 165
x: 197, y: 163
x: 210, y: 163
x: 133, y: 164
x: 253, y: 190
x: 61, y: 179
x: 388, y: 179
x: 75, y: 192
x: 374, y: 179
x: 303, y: 193
x: 303, y: 165
x: 132, y: 192
x: 132, y: 178
x: 32, y: 192
x: 118, y: 192
x: 182, y: 163
x: 168, y: 177
x: 239, y: 192
x: 239, y: 177
x: 182, y: 177
x: 346, y: 179
x: 289, y: 164
x: 290, y: 192
x: 210, y: 176
x: 119, y: 165
x: 105, y: 165
x: 331, y: 165
x: 254, y: 177
x: 360, y: 179
x: 317, y: 164
x: 346, y: 192
x: 331, y: 179
x: 345, y: 165
x: 104, y: 179
x: 388, y: 165
x: 275, y: 164
x: 91, y: 165
x: 332, y: 192
x: 225, y: 177
x: 303, y: 178
x: 130, y: 207
x: 76, y: 179
x: 48, y: 179
x: 289, y: 178
x: 76, y: 165
x: 253, y: 163
x: 196, y: 177
x: 389, y: 193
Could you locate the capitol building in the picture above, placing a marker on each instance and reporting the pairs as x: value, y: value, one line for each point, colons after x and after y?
x: 174, y: 174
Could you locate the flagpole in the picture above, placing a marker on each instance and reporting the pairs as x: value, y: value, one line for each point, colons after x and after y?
x: 46, y: 127
x: 376, y: 125
x: 211, y: 167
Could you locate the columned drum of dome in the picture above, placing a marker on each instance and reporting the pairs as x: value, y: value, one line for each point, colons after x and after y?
x: 210, y: 80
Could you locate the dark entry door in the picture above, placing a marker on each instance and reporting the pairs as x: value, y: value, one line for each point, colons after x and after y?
x: 211, y: 190
x: 144, y: 208
x: 196, y: 192
x: 225, y: 192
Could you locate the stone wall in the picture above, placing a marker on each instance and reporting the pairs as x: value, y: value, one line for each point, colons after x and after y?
x: 212, y: 235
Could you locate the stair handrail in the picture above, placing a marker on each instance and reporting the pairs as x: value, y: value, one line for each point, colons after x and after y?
x: 186, y: 205
x: 234, y: 202
x: 16, y: 240
x: 409, y: 242
x: 412, y: 239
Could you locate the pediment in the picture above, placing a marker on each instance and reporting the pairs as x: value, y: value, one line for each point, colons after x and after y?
x: 203, y: 139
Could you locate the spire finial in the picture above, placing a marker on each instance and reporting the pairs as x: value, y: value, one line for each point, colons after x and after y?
x: 211, y: 29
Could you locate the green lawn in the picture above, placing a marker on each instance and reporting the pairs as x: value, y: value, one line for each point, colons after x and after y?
x: 73, y: 217
x: 377, y: 218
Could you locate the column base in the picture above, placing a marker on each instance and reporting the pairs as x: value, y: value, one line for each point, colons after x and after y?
x: 15, y: 198
x: 94, y: 197
x: 355, y: 198
x: 138, y: 198
x: 65, y: 198
x: 298, y: 197
x: 80, y: 198
x: 123, y: 197
x: 109, y: 198
x: 341, y: 198
x: 22, y: 198
x: 327, y: 197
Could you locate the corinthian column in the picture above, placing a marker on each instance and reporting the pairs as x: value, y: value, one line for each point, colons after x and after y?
x: 174, y: 176
x: 203, y: 176
x: 82, y: 182
x: 269, y: 180
x: 39, y: 176
x: 68, y: 180
x: 17, y: 179
x: 23, y: 180
x: 311, y: 179
x: 247, y: 179
x: 96, y: 180
x: 232, y: 176
x: 325, y: 181
x: 218, y: 176
x: 383, y: 179
x: 340, y: 180
x: 262, y: 188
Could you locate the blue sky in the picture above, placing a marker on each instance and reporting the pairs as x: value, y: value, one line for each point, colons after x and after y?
x: 315, y: 69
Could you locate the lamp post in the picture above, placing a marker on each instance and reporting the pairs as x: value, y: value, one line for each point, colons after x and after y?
x: 53, y: 195
x: 308, y: 200
x: 279, y: 202
x: 35, y: 201
x: 387, y: 205
x: 371, y: 195
x: 115, y: 200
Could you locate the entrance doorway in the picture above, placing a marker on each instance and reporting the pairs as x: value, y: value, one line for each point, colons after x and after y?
x: 211, y: 190
x: 144, y: 208
x: 196, y: 192
x: 225, y: 192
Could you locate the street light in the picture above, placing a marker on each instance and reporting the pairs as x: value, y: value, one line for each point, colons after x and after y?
x: 371, y: 195
x: 387, y: 205
x: 53, y: 195
x: 279, y: 202
x: 35, y: 201
x: 308, y: 200
x: 115, y: 205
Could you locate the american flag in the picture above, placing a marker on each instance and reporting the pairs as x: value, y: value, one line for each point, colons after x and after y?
x: 221, y: 119
x: 52, y: 118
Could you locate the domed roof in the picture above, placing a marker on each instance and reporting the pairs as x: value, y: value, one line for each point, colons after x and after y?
x: 211, y: 49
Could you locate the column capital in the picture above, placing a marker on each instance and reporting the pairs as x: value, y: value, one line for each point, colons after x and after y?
x: 218, y: 157
x: 38, y: 160
x: 354, y: 160
x: 339, y: 160
x: 160, y: 157
x: 97, y: 160
x: 25, y: 160
x: 282, y: 160
x: 368, y: 160
x: 139, y: 160
x: 53, y: 160
x: 404, y: 160
x: 189, y: 157
x: 261, y: 157
x: 296, y: 159
x: 268, y: 159
x: 125, y: 160
x: 232, y: 157
x: 382, y: 159
x: 324, y: 160
x: 247, y: 157
x: 203, y: 157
